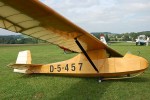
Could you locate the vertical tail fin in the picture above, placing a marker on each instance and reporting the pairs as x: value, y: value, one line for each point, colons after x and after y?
x: 24, y: 57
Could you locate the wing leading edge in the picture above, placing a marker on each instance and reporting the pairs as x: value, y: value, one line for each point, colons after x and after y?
x: 33, y: 18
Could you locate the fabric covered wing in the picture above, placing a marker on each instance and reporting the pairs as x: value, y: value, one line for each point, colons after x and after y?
x: 33, y: 18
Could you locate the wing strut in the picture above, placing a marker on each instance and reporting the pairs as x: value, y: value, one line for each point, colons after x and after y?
x: 84, y: 52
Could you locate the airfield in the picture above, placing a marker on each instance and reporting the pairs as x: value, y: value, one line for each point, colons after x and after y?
x: 45, y: 86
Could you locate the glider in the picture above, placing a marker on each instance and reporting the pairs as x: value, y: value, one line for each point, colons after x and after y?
x: 95, y: 59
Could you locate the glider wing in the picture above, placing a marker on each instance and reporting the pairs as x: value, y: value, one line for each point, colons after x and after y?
x: 33, y: 18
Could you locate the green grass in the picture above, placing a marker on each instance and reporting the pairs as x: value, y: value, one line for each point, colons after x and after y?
x: 48, y: 87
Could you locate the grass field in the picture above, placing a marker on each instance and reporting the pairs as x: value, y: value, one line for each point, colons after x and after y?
x: 17, y: 86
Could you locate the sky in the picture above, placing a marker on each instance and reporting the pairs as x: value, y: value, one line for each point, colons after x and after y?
x: 116, y: 16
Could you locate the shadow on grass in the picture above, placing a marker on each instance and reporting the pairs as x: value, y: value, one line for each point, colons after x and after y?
x: 86, y: 88
x: 91, y: 89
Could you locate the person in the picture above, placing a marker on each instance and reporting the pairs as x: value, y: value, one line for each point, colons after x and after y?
x: 147, y: 41
x: 137, y: 41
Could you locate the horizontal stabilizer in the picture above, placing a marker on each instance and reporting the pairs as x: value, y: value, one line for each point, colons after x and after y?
x: 20, y: 71
x: 23, y: 68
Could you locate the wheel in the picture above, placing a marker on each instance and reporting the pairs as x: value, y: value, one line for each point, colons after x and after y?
x: 100, y: 80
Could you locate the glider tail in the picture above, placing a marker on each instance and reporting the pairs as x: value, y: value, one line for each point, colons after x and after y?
x: 24, y: 57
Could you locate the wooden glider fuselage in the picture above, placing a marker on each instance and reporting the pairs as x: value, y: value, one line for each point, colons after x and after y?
x: 33, y: 18
x: 80, y: 66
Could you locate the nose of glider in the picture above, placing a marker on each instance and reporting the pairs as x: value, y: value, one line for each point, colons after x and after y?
x: 144, y: 63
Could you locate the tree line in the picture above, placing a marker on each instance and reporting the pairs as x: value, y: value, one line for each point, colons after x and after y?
x: 22, y: 39
x: 121, y: 37
x: 19, y: 39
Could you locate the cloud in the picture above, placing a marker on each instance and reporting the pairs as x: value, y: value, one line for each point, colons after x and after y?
x: 105, y: 15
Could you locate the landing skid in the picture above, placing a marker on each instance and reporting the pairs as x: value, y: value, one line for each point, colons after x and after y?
x: 128, y: 76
